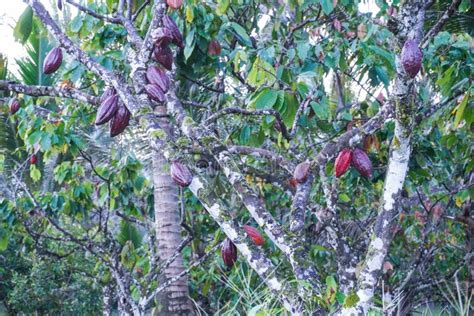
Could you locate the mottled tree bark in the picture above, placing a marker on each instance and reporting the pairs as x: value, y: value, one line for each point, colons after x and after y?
x: 175, y: 299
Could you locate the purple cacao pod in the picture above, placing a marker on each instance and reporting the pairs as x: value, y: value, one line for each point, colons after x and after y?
x: 343, y: 162
x: 214, y: 48
x: 411, y: 57
x: 362, y: 163
x: 53, y: 61
x: 229, y: 253
x: 156, y: 75
x: 107, y: 93
x: 60, y: 5
x: 301, y: 172
x: 107, y: 110
x: 120, y: 121
x: 162, y: 36
x: 14, y: 105
x: 155, y: 92
x: 163, y: 55
x: 180, y: 174
x: 169, y: 23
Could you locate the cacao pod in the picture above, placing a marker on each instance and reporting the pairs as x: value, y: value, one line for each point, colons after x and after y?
x: 381, y: 98
x: 343, y: 162
x: 411, y: 58
x: 60, y: 5
x: 301, y: 172
x: 362, y: 163
x: 107, y: 110
x: 107, y: 93
x: 292, y: 182
x: 337, y: 25
x: 253, y: 233
x: 169, y: 23
x: 162, y: 36
x: 175, y: 4
x: 229, y: 253
x: 14, y: 105
x: 33, y: 159
x: 155, y: 93
x: 53, y: 61
x: 156, y: 75
x: 120, y: 121
x: 180, y: 174
x: 214, y: 48
x: 164, y: 56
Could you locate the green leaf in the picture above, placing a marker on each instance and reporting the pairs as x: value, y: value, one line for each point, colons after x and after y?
x: 327, y: 5
x: 3, y: 239
x: 35, y: 174
x: 128, y: 232
x: 241, y: 34
x: 460, y: 110
x: 24, y: 25
x: 266, y: 99
x: 222, y: 7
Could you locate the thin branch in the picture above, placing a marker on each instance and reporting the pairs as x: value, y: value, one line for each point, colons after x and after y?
x: 442, y: 20
x: 94, y: 13
x: 140, y: 9
x: 38, y: 91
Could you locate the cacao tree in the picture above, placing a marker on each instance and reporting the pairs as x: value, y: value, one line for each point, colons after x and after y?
x: 184, y: 131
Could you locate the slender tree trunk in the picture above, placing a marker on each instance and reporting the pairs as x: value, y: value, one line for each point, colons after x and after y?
x: 107, y: 299
x: 174, y: 300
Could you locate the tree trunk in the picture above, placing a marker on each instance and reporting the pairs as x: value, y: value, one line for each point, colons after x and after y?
x: 107, y: 299
x: 175, y: 299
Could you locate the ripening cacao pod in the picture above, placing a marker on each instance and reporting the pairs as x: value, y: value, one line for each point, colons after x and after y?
x: 214, y: 48
x: 411, y: 57
x: 343, y: 162
x: 180, y: 174
x: 162, y: 36
x: 163, y: 55
x: 120, y: 121
x: 14, y: 105
x: 169, y: 23
x: 292, y: 182
x: 107, y: 93
x: 362, y: 163
x: 301, y: 172
x: 337, y: 25
x: 253, y: 233
x: 107, y: 110
x: 175, y: 4
x: 156, y: 75
x: 33, y: 159
x: 155, y: 92
x: 60, y: 5
x: 229, y: 253
x: 53, y: 61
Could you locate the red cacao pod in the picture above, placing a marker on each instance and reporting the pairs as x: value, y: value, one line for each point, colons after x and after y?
x: 156, y: 75
x: 120, y: 121
x: 162, y: 36
x: 253, y: 233
x: 411, y: 57
x: 107, y: 93
x: 301, y: 172
x: 214, y: 48
x: 229, y: 253
x: 362, y: 163
x: 155, y: 92
x: 180, y: 174
x: 343, y: 162
x: 14, y: 105
x: 33, y: 159
x: 175, y: 4
x: 107, y: 110
x: 169, y: 23
x: 292, y: 182
x: 163, y: 55
x: 53, y: 61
